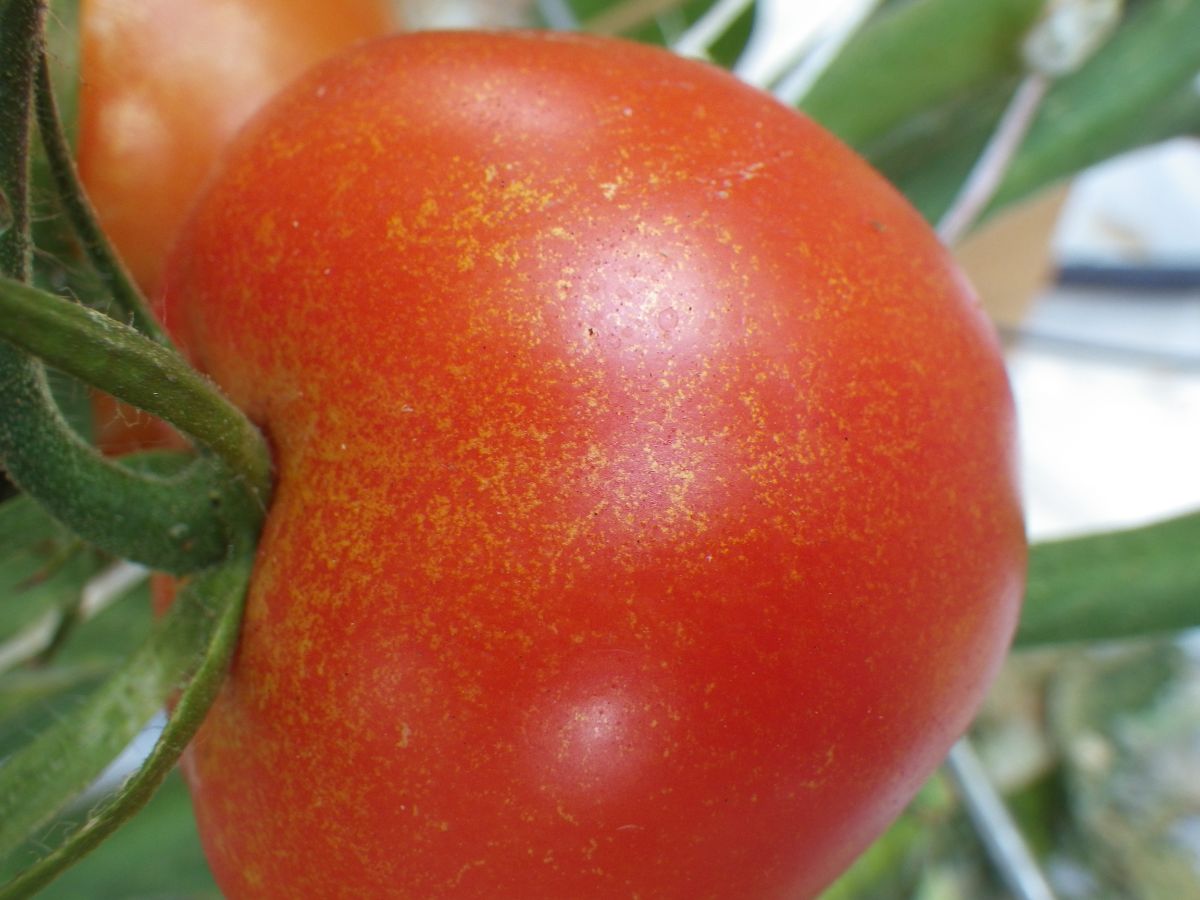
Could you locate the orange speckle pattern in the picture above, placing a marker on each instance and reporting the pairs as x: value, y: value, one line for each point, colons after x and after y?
x: 646, y: 522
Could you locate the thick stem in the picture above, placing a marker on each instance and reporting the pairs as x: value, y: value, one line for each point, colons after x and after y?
x: 104, y: 353
x: 175, y: 523
x: 100, y: 252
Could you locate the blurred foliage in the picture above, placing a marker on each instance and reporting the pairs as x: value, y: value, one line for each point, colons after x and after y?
x: 920, y: 88
x: 1097, y: 749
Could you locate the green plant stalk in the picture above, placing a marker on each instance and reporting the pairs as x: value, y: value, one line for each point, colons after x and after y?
x: 178, y: 524
x: 192, y: 645
x: 1115, y: 585
x: 58, y: 259
x: 125, y: 295
x: 20, y: 46
x: 102, y: 352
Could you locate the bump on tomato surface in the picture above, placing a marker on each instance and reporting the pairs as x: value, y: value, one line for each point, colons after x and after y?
x: 646, y: 522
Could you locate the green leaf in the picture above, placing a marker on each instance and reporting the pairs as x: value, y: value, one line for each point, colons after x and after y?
x: 190, y: 646
x: 923, y: 125
x: 916, y: 58
x: 33, y: 698
x: 156, y: 855
x: 36, y: 694
x: 43, y: 570
x: 1114, y: 585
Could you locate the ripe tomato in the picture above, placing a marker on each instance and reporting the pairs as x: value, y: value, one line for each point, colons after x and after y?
x: 645, y: 522
x: 165, y: 84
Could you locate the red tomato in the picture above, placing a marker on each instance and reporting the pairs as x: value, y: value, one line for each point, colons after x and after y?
x: 645, y: 523
x: 164, y: 86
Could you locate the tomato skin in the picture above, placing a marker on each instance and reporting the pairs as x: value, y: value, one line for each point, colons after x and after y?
x: 166, y: 83
x: 646, y: 521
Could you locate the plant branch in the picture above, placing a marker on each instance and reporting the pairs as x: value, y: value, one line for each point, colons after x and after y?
x: 994, y: 824
x: 192, y: 645
x: 924, y: 126
x: 179, y: 522
x: 1064, y: 39
x: 103, y: 256
x: 114, y: 357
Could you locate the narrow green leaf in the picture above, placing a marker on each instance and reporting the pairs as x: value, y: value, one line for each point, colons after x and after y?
x: 917, y: 57
x: 156, y: 855
x: 923, y: 125
x: 1115, y: 585
x: 193, y: 641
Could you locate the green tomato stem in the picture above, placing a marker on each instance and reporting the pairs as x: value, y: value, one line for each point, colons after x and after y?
x: 124, y: 293
x: 176, y: 523
x: 192, y: 645
x: 114, y: 357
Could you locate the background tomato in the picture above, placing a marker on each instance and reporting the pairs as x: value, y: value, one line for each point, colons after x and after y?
x: 165, y: 84
x: 646, y: 521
